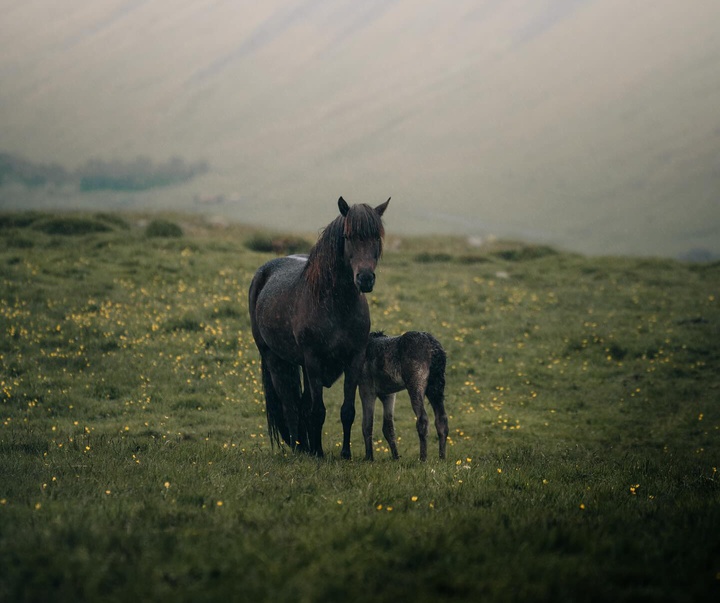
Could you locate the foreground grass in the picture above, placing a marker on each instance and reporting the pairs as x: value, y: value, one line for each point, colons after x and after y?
x: 134, y: 462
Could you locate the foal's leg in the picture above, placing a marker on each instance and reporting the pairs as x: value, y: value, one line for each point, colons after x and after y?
x: 417, y: 399
x: 388, y: 403
x: 436, y: 397
x: 367, y: 397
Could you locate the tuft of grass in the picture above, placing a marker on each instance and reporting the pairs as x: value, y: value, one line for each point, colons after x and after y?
x: 19, y: 219
x: 278, y: 244
x: 135, y: 463
x: 427, y: 258
x: 160, y: 228
x: 525, y: 252
x: 70, y: 226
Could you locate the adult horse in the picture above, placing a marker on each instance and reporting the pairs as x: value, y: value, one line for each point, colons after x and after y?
x: 310, y: 313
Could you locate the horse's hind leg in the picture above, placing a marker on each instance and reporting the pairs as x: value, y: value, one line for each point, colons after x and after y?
x: 314, y: 406
x: 388, y: 403
x: 417, y: 399
x: 312, y: 418
x: 436, y: 396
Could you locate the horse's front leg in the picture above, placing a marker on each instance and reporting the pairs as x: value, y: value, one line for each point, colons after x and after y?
x: 347, y: 411
x: 367, y: 397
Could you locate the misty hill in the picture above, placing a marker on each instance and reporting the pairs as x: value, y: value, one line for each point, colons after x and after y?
x: 592, y: 125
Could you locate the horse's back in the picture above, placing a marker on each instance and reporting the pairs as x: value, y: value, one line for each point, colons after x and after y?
x: 275, y: 277
x: 270, y: 300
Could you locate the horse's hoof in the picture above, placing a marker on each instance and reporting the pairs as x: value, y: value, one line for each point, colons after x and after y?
x: 346, y: 456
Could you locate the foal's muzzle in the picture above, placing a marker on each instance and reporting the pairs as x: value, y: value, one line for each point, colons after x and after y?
x: 365, y: 281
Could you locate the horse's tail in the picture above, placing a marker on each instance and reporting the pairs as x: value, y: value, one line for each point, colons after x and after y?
x: 273, y: 404
x: 277, y: 427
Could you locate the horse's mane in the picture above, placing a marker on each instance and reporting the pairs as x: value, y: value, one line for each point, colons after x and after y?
x: 324, y: 262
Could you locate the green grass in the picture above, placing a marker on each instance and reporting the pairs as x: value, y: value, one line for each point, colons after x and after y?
x: 135, y: 464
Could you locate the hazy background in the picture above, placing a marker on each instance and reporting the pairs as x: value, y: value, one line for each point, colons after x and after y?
x: 590, y: 124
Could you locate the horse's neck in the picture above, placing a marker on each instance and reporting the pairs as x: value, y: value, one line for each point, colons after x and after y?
x: 327, y: 285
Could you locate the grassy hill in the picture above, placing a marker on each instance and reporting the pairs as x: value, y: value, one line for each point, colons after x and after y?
x: 135, y: 464
x: 590, y: 125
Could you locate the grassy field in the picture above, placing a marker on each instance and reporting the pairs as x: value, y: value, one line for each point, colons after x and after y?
x: 583, y: 396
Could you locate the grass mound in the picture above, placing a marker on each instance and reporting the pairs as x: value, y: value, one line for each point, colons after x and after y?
x: 70, y: 226
x: 278, y: 244
x: 19, y: 219
x: 63, y: 225
x: 160, y: 228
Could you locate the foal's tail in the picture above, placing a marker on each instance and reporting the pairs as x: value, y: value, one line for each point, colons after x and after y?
x: 436, y: 380
x: 436, y: 394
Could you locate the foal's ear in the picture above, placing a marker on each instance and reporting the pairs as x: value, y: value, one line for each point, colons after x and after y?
x: 382, y: 207
x: 344, y: 207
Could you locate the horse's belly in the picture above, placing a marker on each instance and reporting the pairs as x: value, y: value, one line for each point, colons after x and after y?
x: 331, y: 373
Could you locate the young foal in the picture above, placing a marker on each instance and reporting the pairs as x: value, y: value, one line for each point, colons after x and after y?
x: 414, y: 361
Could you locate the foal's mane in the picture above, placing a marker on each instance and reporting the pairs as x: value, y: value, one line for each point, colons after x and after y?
x: 324, y: 263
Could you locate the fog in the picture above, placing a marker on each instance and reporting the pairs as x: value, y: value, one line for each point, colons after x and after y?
x: 592, y: 125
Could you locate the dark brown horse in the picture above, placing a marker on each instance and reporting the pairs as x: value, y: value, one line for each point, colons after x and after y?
x: 414, y: 361
x: 310, y: 314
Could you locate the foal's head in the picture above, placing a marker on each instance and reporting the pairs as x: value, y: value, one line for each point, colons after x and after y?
x: 362, y: 239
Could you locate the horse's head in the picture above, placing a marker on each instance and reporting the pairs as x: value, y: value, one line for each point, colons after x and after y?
x: 362, y: 234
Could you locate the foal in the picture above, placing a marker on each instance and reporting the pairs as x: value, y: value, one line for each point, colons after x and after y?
x: 414, y: 361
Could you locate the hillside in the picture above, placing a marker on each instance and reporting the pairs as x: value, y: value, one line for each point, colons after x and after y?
x: 589, y: 125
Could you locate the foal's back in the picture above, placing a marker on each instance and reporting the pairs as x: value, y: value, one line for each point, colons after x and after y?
x: 394, y: 363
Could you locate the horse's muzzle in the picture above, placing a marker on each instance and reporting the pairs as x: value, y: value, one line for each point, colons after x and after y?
x: 365, y: 281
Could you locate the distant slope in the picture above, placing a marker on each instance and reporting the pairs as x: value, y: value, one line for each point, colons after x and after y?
x: 590, y: 124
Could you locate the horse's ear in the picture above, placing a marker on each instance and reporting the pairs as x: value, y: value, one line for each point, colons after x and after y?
x: 382, y: 207
x: 344, y: 207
